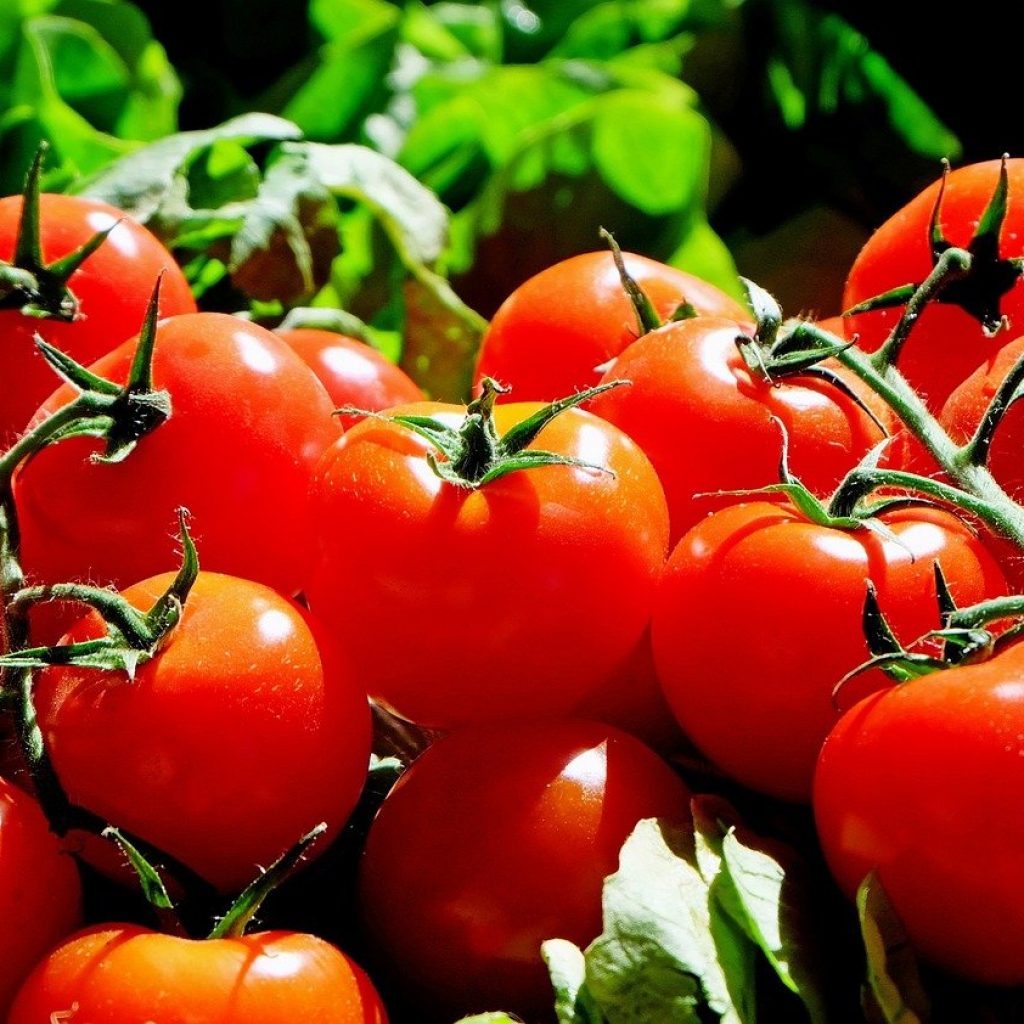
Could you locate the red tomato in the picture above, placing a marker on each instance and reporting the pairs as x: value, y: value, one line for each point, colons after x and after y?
x: 353, y: 373
x: 706, y: 422
x: 759, y: 616
x: 542, y: 579
x: 921, y: 783
x: 113, y: 288
x: 554, y: 332
x: 248, y: 423
x: 40, y: 895
x: 947, y: 342
x: 124, y: 974
x: 496, y: 839
x: 244, y: 732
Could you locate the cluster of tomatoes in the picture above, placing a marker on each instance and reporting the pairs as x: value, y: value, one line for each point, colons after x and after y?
x: 513, y: 574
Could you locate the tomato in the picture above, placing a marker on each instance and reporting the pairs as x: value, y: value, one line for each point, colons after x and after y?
x: 40, y: 895
x: 759, y: 617
x: 947, y: 342
x: 494, y: 840
x: 708, y: 424
x: 112, y: 288
x: 554, y: 332
x: 248, y: 423
x: 245, y: 731
x: 921, y: 784
x: 542, y: 580
x: 353, y: 373
x: 124, y: 974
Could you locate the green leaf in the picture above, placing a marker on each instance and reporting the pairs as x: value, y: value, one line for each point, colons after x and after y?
x: 489, y: 1018
x: 567, y: 966
x: 893, y: 990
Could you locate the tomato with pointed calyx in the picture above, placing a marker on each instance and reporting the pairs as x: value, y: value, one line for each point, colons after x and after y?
x: 244, y: 731
x: 123, y: 974
x: 553, y: 334
x: 960, y: 330
x: 495, y: 839
x: 759, y: 616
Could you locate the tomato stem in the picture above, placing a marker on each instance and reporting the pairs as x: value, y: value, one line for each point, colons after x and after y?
x: 647, y: 318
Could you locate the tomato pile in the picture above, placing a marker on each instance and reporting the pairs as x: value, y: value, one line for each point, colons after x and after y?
x: 709, y: 549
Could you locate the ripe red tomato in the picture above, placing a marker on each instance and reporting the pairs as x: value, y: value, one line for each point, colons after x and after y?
x: 112, y: 287
x: 495, y: 839
x: 244, y: 732
x: 708, y: 424
x: 553, y: 333
x: 920, y: 783
x: 947, y: 342
x: 759, y: 616
x: 248, y: 423
x: 40, y: 895
x: 124, y: 974
x: 541, y: 579
x: 352, y: 372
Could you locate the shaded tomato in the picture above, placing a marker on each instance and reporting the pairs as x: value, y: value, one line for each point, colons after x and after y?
x: 553, y: 334
x: 124, y: 974
x: 352, y: 372
x: 759, y: 617
x: 542, y: 580
x: 949, y: 340
x: 707, y: 423
x: 920, y: 783
x: 112, y: 287
x: 248, y: 423
x: 40, y: 895
x: 244, y: 732
x: 494, y: 840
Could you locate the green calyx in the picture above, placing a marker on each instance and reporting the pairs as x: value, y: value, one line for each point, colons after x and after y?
x: 29, y: 284
x: 473, y: 455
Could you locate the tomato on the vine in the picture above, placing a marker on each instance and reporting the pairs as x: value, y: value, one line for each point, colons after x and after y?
x: 494, y: 840
x: 248, y: 423
x: 961, y: 329
x: 112, y: 288
x: 759, y: 616
x: 921, y: 784
x: 516, y: 597
x: 244, y: 731
x: 553, y: 334
x: 124, y: 974
x: 708, y: 423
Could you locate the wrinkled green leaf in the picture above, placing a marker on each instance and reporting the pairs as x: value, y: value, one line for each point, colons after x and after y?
x: 567, y: 966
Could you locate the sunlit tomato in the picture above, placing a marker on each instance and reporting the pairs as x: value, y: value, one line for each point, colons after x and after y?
x: 552, y: 335
x: 542, y: 579
x: 759, y: 617
x: 920, y: 784
x: 494, y: 840
x: 124, y: 974
x: 40, y: 895
x: 243, y: 733
x: 353, y: 373
x: 112, y: 287
x: 947, y: 342
x: 248, y: 423
x: 707, y: 423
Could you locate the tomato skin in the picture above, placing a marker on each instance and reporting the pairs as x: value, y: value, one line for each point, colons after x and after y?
x: 946, y: 343
x: 759, y: 616
x: 40, y: 894
x: 353, y: 373
x: 544, y: 578
x: 123, y: 974
x: 494, y: 840
x: 920, y: 783
x: 706, y: 423
x: 113, y: 288
x: 245, y: 731
x: 248, y: 423
x: 551, y: 335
